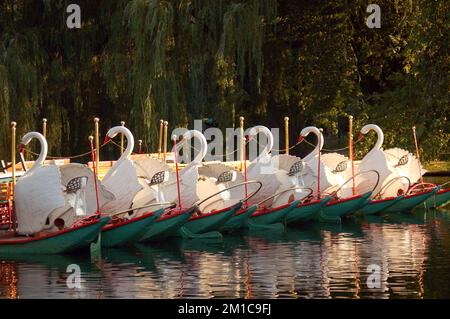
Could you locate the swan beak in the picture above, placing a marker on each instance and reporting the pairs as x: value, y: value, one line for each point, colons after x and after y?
x: 21, y: 148
x: 300, y: 139
x: 107, y: 139
x: 360, y: 135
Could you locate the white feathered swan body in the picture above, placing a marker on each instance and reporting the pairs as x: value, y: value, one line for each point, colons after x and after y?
x: 121, y: 179
x: 328, y: 180
x: 380, y: 161
x: 268, y: 170
x: 41, y: 196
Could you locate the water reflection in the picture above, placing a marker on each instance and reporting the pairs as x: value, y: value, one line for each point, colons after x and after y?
x: 412, y: 252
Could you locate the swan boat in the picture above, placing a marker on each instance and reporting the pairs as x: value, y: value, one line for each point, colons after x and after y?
x: 202, y: 211
x: 42, y: 222
x: 126, y: 226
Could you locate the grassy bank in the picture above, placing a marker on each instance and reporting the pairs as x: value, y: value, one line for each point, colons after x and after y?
x: 437, y: 166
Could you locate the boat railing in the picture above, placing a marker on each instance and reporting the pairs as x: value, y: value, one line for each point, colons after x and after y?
x: 353, y: 178
x: 6, y: 206
x: 390, y: 183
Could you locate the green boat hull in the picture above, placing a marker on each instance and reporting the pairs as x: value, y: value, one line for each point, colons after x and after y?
x: 59, y: 243
x: 165, y: 227
x: 306, y: 212
x: 128, y: 232
x: 211, y: 221
x: 273, y: 216
x: 378, y: 206
x: 238, y: 221
x: 440, y: 198
x: 411, y: 201
x: 345, y: 207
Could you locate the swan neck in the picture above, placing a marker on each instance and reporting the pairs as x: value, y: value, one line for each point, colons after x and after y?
x: 130, y: 145
x: 266, y: 151
x: 203, y: 148
x: 42, y: 154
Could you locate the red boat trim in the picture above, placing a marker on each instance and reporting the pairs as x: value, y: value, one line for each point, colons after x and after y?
x: 267, y: 211
x: 211, y: 213
x: 343, y: 200
x: 309, y: 203
x: 46, y: 236
x: 443, y: 191
x: 242, y: 211
x: 418, y: 194
x: 171, y: 213
x: 377, y: 201
x: 110, y: 226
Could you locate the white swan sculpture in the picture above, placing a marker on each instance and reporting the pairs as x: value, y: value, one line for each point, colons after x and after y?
x: 376, y: 160
x: 121, y: 179
x: 328, y: 180
x: 276, y: 173
x: 48, y: 198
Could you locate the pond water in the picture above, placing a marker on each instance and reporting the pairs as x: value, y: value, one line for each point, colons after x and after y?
x: 409, y: 251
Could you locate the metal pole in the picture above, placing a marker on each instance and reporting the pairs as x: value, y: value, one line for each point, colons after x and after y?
x: 161, y: 124
x: 140, y: 146
x: 13, y: 154
x: 417, y: 153
x: 44, y: 127
x: 286, y: 134
x: 350, y: 151
x: 165, y: 139
x: 241, y: 140
x: 97, y: 143
x: 122, y: 139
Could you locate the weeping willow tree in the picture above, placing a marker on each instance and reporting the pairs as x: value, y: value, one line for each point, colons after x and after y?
x: 180, y: 60
x: 189, y: 59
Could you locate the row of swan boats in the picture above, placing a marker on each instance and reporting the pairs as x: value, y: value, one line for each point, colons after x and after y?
x: 60, y: 209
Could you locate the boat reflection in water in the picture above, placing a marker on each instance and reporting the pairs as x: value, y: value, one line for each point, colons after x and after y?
x: 412, y: 252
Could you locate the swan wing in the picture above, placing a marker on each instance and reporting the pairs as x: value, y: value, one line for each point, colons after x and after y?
x: 405, y: 163
x: 121, y: 180
x: 36, y: 196
x: 74, y: 170
x: 216, y: 170
x: 335, y: 161
x: 270, y: 183
x: 147, y: 167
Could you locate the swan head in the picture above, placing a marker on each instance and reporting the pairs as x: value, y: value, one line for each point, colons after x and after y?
x: 26, y: 139
x: 259, y: 129
x: 305, y: 132
x: 366, y: 129
x: 116, y: 130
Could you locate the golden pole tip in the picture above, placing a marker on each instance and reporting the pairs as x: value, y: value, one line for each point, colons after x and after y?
x: 286, y: 118
x: 161, y: 121
x: 96, y: 119
x: 44, y: 120
x: 13, y: 124
x: 241, y: 118
x: 122, y: 123
x: 166, y: 123
x: 90, y: 138
x: 350, y: 117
